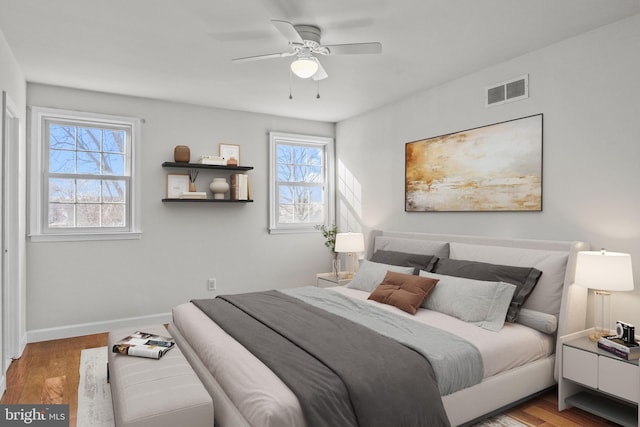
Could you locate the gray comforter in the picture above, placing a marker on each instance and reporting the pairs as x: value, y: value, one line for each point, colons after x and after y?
x: 456, y: 362
x: 343, y: 373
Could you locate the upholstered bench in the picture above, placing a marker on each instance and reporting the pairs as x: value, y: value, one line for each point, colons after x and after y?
x: 154, y: 393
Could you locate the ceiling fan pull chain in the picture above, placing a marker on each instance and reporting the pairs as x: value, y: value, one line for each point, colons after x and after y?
x: 318, y: 94
x: 290, y: 96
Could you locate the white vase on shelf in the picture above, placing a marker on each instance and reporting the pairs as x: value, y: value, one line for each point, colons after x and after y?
x: 219, y: 187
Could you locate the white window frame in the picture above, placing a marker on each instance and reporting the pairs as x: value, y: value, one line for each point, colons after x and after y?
x: 326, y: 143
x: 39, y: 230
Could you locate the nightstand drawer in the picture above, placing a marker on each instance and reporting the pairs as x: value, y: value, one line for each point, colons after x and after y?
x: 619, y: 378
x: 580, y: 366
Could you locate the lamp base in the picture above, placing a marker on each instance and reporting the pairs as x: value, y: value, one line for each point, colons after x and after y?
x: 602, y: 315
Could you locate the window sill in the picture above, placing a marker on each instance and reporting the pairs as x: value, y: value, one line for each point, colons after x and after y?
x: 84, y: 237
x: 292, y: 230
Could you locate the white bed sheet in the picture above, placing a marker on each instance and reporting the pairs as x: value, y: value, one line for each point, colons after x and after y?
x: 265, y: 400
x: 514, y: 345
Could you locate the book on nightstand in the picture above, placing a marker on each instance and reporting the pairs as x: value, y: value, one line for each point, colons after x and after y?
x: 615, y: 345
x: 144, y: 344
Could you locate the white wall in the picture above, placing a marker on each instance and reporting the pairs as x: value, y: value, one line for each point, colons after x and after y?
x: 586, y: 87
x: 75, y: 283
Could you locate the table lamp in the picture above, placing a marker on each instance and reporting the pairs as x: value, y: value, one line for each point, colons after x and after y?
x: 349, y: 243
x: 603, y: 272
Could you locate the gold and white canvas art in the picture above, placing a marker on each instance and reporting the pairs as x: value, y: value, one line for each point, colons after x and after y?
x: 492, y: 168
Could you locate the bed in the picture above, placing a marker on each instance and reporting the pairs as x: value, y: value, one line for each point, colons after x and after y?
x: 516, y: 356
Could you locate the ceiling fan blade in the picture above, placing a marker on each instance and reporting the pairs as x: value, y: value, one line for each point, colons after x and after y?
x: 288, y: 31
x: 259, y: 57
x: 321, y: 74
x: 354, y: 48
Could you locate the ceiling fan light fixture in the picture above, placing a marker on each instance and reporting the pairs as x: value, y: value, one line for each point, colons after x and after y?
x: 304, y: 67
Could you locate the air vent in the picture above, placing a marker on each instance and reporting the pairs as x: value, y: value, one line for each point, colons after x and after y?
x: 511, y: 90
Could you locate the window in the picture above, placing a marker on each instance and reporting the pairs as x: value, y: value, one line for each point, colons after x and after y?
x: 83, y: 184
x: 301, y: 186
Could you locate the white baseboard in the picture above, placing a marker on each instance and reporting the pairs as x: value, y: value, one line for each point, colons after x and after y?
x: 95, y: 327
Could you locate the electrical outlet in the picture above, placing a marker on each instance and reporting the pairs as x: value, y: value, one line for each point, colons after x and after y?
x: 211, y: 284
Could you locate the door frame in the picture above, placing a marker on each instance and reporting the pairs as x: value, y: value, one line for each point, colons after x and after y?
x: 11, y: 288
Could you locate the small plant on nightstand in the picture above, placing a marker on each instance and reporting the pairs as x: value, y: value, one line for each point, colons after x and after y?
x: 329, y: 233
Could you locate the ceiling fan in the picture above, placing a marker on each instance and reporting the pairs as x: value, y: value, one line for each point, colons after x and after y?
x: 304, y: 43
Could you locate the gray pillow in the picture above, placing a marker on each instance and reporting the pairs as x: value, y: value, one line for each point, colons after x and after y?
x: 482, y: 303
x: 547, y: 294
x: 371, y: 274
x: 418, y: 261
x: 525, y: 278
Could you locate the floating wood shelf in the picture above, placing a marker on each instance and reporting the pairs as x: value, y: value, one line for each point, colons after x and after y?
x: 203, y: 166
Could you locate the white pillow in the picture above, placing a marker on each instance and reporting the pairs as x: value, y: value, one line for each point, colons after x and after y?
x: 371, y: 274
x: 482, y: 303
x: 543, y: 322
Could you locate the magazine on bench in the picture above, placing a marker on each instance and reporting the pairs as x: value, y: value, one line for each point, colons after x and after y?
x: 144, y: 344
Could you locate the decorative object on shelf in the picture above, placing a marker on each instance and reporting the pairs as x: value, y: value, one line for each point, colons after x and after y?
x: 230, y: 152
x: 351, y: 243
x: 219, y: 187
x: 329, y: 233
x: 492, y: 168
x: 194, y: 195
x: 182, y: 154
x: 176, y: 185
x: 193, y: 174
x: 211, y: 160
x: 603, y: 272
x: 239, y: 187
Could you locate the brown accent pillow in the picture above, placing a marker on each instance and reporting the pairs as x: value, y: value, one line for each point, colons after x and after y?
x: 405, y: 291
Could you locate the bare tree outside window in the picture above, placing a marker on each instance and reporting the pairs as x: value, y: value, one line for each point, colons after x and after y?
x: 300, y: 187
x: 300, y: 184
x: 84, y: 166
x: 83, y: 176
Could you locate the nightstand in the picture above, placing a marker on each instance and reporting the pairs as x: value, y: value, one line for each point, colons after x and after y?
x: 325, y: 280
x: 596, y: 381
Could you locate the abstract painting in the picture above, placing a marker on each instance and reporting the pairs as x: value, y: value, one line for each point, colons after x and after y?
x: 491, y: 168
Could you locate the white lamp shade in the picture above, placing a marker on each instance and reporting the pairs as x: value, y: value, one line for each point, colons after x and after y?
x: 606, y: 271
x: 349, y: 242
x: 304, y: 67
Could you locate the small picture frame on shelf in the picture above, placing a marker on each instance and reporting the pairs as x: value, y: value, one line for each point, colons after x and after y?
x: 230, y: 151
x: 176, y: 185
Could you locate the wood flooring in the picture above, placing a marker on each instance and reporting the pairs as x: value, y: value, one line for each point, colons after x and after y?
x: 48, y: 372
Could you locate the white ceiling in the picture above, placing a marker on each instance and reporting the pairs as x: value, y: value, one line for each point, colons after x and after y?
x: 181, y: 50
